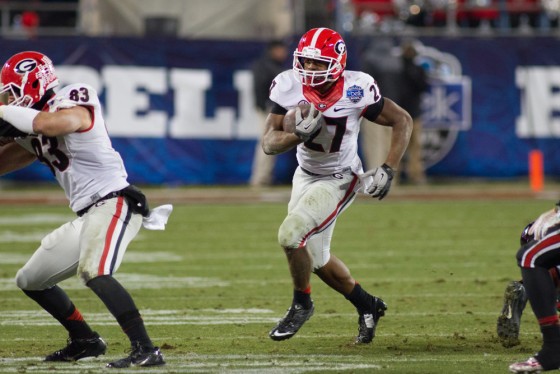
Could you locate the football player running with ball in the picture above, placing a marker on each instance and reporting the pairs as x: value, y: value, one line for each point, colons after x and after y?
x: 330, y: 172
x: 66, y: 132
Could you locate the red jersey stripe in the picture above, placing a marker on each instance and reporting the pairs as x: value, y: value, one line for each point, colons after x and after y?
x: 334, y: 214
x: 109, y: 235
x: 528, y: 257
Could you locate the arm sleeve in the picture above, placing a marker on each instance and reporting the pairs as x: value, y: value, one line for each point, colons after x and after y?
x: 9, y: 131
x: 278, y: 109
x: 372, y: 111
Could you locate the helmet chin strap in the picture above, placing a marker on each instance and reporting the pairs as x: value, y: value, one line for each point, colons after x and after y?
x: 39, y: 105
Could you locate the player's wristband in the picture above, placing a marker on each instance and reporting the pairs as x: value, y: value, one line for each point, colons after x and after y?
x: 19, y: 117
x: 389, y: 170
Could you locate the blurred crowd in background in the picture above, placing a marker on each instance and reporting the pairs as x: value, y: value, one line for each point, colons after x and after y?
x: 23, y: 18
x: 486, y: 14
x: 113, y: 17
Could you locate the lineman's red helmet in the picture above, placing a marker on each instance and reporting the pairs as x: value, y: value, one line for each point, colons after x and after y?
x: 27, y: 76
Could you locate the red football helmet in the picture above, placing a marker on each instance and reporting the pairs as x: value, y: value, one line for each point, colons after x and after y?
x: 27, y: 76
x: 324, y: 45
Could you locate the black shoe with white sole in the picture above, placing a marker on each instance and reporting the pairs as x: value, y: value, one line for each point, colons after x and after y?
x: 139, y: 356
x: 79, y: 348
x: 291, y: 323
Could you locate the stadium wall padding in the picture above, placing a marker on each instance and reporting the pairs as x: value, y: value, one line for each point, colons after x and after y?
x: 180, y: 113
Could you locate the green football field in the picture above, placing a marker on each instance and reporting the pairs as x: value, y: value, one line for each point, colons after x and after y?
x: 215, y: 282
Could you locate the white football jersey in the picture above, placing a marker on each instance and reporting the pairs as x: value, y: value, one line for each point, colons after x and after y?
x: 335, y: 148
x: 84, y: 163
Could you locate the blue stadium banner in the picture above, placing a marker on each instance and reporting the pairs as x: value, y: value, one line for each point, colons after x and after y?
x: 181, y: 111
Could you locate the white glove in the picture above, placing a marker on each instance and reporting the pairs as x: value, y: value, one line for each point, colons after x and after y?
x: 307, y: 127
x: 382, y: 177
x: 545, y: 222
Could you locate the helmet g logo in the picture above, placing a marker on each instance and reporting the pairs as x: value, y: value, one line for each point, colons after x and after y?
x: 25, y: 66
x: 340, y: 47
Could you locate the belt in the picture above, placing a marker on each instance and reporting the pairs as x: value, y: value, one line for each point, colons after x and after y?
x: 346, y: 169
x: 309, y: 173
x: 110, y: 195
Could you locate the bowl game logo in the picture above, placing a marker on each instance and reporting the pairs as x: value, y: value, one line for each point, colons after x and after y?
x: 446, y: 106
x: 355, y: 93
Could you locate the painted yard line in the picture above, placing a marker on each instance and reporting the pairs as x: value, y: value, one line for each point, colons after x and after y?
x: 11, y: 258
x: 219, y: 363
x: 232, y: 363
x: 153, y: 317
x: 193, y: 317
x: 349, y: 336
x: 152, y: 322
x: 18, y: 237
x: 265, y: 368
x: 34, y: 237
x: 136, y: 282
x: 193, y: 299
x: 163, y: 315
x: 35, y: 219
x: 321, y: 357
x: 108, y: 319
x: 146, y: 281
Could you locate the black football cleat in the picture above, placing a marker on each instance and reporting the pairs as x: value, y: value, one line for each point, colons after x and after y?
x: 509, y: 321
x: 79, y: 348
x: 139, y: 356
x: 291, y: 323
x: 367, y: 322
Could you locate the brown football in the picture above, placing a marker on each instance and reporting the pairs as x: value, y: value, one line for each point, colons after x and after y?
x: 289, y: 123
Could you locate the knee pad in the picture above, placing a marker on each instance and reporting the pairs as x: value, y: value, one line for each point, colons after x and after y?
x: 27, y: 283
x: 293, y: 230
x: 21, y: 280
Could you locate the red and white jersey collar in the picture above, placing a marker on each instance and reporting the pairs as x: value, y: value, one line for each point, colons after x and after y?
x: 326, y: 100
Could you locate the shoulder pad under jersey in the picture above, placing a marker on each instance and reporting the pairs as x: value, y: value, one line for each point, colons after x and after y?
x: 74, y: 94
x: 285, y: 85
